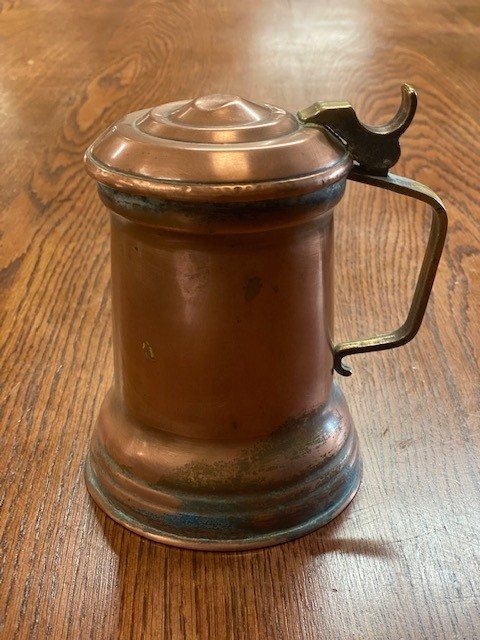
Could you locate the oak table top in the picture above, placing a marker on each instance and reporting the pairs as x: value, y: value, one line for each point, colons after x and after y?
x: 402, y: 561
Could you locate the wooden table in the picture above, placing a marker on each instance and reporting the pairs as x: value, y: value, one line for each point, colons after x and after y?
x: 402, y: 561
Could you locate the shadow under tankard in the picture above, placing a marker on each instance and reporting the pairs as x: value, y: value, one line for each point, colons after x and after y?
x: 176, y: 594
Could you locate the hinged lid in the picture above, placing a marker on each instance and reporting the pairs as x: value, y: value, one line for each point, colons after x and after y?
x: 216, y: 148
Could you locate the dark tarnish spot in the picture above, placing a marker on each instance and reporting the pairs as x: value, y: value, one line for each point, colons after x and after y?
x: 252, y: 287
x: 235, y: 424
x: 295, y: 438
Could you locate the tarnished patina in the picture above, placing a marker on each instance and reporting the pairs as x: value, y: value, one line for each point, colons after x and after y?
x: 223, y: 428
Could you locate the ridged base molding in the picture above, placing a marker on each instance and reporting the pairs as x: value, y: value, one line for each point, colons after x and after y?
x: 225, y: 496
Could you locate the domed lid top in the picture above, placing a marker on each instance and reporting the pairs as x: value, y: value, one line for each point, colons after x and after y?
x: 216, y: 148
x: 217, y: 119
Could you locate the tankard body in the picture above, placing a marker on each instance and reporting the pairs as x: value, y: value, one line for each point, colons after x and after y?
x: 223, y: 428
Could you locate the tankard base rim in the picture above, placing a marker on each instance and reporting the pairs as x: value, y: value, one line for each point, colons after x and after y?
x: 115, y: 512
x: 222, y: 494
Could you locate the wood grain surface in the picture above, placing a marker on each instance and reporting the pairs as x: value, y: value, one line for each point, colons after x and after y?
x: 402, y: 561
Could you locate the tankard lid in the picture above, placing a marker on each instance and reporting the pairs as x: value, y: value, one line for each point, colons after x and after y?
x: 216, y: 148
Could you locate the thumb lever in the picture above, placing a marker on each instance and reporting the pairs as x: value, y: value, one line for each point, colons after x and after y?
x: 375, y: 149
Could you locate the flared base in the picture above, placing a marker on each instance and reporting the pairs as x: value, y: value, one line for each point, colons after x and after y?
x: 225, y: 496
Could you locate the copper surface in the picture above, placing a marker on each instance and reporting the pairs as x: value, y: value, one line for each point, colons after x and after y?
x: 222, y: 429
x: 216, y: 148
x: 221, y: 334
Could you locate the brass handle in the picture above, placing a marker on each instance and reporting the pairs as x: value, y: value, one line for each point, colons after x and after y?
x: 374, y: 151
x: 436, y: 240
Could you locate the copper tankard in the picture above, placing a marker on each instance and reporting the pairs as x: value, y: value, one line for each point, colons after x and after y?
x: 224, y: 428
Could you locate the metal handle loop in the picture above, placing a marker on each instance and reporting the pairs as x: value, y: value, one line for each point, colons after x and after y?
x: 436, y: 240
